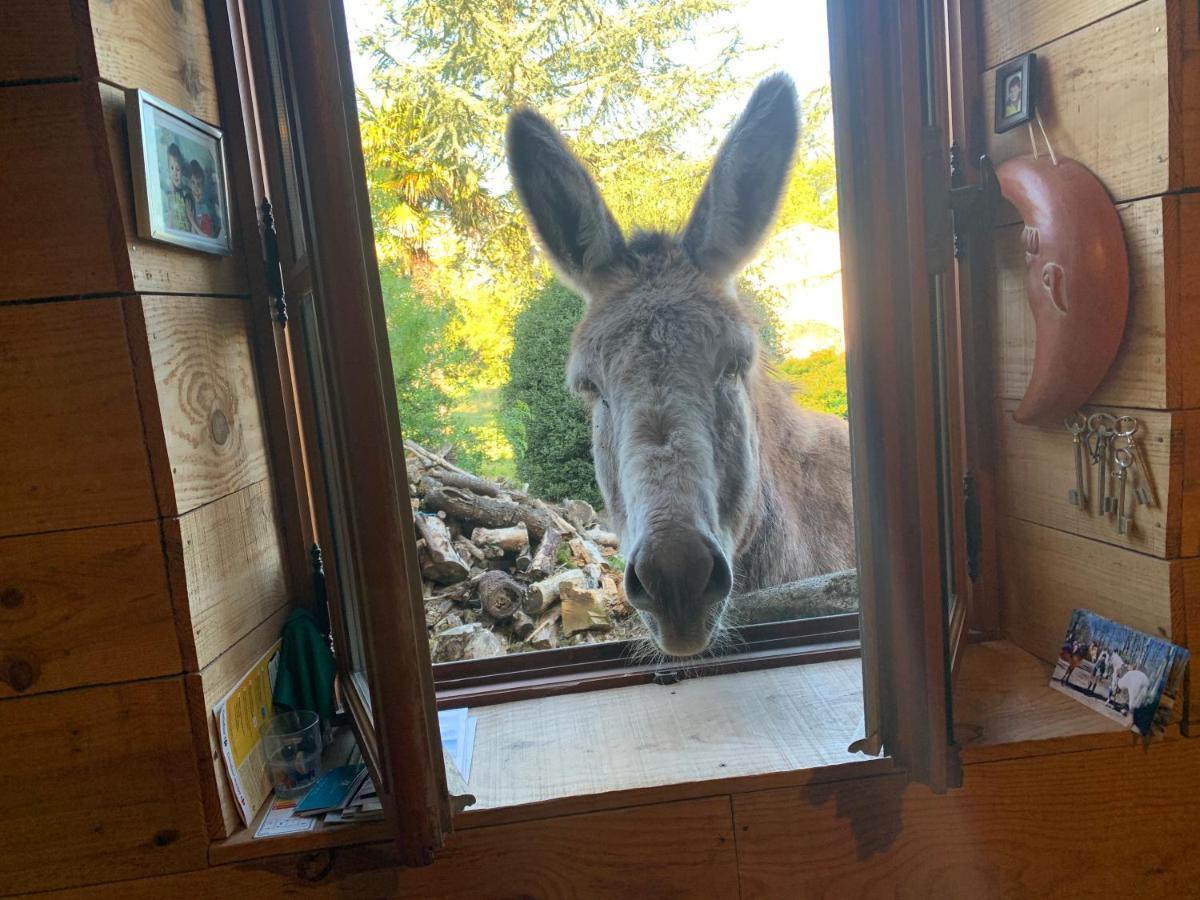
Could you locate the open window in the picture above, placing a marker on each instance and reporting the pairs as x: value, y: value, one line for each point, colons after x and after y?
x: 910, y: 339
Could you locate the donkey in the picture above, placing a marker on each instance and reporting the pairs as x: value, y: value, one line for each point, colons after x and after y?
x: 716, y: 482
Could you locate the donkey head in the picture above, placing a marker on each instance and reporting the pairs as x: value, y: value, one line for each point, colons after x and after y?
x: 667, y: 357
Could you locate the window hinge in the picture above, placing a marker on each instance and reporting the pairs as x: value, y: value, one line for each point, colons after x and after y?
x: 320, y: 609
x: 971, y: 205
x: 274, y: 271
x: 952, y: 207
x: 973, y: 525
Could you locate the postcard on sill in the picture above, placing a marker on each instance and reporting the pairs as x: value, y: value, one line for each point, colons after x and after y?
x: 282, y: 819
x: 1128, y: 676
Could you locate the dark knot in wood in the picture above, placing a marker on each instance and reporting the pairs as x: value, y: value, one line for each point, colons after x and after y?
x: 20, y: 674
x: 218, y: 426
x: 315, y: 866
x: 11, y: 598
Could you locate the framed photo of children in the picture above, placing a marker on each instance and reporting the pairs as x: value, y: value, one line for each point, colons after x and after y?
x: 1016, y: 92
x: 179, y: 175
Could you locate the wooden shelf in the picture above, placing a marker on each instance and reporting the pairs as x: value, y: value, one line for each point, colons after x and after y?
x: 1004, y: 708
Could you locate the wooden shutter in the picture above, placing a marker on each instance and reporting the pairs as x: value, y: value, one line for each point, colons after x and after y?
x: 296, y: 93
x: 906, y: 358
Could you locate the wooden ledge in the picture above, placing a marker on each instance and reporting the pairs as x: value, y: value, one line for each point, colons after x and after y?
x: 1004, y: 708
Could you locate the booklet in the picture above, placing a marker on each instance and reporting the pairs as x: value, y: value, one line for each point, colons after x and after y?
x: 242, y: 716
x: 333, y: 790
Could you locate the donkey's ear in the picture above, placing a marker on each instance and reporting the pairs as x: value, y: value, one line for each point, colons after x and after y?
x: 746, y: 183
x: 562, y: 203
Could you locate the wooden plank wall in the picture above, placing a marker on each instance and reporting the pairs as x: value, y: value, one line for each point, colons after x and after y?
x: 1012, y: 830
x: 140, y: 553
x: 1113, y: 76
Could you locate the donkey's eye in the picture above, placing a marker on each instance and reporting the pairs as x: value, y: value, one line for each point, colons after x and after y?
x: 587, y: 388
x: 732, y: 371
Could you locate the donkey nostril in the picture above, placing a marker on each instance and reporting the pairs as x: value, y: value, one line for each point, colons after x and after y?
x: 635, y: 591
x: 720, y: 582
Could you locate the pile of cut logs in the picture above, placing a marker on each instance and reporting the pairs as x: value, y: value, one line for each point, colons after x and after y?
x: 505, y: 572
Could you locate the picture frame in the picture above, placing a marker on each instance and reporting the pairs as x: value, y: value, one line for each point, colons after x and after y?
x: 1016, y: 92
x: 180, y: 180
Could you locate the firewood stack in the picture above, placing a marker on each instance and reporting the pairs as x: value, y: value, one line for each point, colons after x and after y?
x: 504, y: 572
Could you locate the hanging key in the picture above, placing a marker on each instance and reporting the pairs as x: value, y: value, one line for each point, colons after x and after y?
x: 1101, y: 426
x: 1126, y: 428
x: 1122, y: 461
x: 1078, y: 426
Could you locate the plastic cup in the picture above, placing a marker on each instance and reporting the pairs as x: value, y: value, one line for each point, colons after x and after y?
x: 293, y: 745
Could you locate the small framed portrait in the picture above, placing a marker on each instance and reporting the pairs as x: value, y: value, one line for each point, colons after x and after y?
x: 1016, y: 92
x: 179, y: 177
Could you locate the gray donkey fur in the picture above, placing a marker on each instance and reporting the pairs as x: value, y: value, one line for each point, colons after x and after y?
x: 717, y: 483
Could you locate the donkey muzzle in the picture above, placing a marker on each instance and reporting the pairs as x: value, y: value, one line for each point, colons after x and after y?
x: 679, y: 581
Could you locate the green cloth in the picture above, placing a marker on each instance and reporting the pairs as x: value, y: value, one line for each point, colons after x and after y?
x: 306, y: 667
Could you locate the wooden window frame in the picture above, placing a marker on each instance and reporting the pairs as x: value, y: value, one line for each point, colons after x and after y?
x: 876, y: 48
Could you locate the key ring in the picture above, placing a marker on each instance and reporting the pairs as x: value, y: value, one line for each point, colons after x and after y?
x: 1123, y: 456
x: 1126, y: 432
x: 1076, y: 423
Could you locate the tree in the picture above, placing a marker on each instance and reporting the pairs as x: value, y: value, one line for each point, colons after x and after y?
x: 448, y: 72
x: 548, y: 427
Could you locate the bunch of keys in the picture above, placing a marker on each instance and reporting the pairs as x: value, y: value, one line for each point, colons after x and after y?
x: 1110, y: 443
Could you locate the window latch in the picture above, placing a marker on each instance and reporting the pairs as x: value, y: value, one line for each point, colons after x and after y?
x: 271, y: 264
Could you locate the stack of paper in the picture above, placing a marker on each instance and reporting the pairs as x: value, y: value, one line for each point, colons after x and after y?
x: 458, y: 737
x: 364, y: 806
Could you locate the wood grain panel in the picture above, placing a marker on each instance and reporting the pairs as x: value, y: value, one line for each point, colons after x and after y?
x: 1010, y: 28
x: 84, y: 607
x: 668, y: 850
x: 161, y: 268
x: 98, y: 784
x: 196, y: 353
x: 1104, y: 101
x: 55, y: 225
x: 226, y: 571
x: 205, y: 689
x: 1142, y: 373
x: 160, y: 46
x: 1005, y: 833
x: 1045, y: 574
x: 1038, y: 468
x: 72, y: 451
x: 39, y: 40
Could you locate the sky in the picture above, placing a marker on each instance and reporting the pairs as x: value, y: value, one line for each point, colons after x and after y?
x: 795, y: 33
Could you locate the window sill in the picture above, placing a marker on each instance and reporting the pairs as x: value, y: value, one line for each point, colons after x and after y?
x: 644, y: 743
x: 1004, y: 708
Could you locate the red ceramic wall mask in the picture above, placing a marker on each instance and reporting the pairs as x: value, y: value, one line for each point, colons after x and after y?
x: 1077, y: 281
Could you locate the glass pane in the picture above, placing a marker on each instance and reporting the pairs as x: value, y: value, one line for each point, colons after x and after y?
x: 480, y: 332
x: 339, y: 559
x: 281, y: 117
